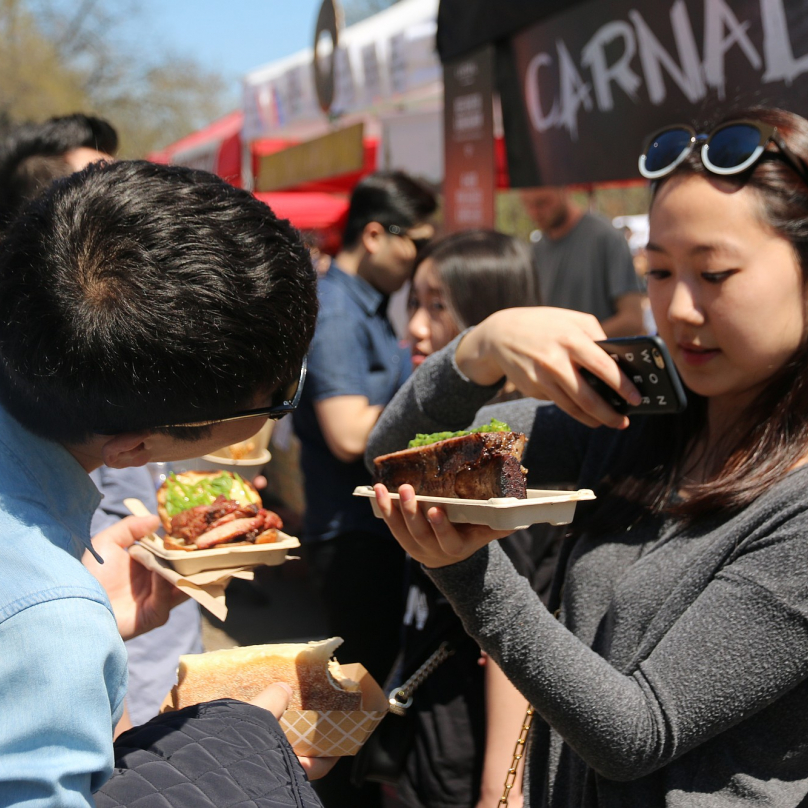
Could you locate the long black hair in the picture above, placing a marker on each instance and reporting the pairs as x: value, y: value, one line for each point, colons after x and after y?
x: 772, y: 436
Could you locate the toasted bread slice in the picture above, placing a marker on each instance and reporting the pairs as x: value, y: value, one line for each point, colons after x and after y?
x: 242, y: 673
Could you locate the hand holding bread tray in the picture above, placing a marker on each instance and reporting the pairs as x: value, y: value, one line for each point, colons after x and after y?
x: 332, y: 711
x: 215, y: 530
x: 477, y: 478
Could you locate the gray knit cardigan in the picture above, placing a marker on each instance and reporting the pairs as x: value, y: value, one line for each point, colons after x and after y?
x: 677, y: 674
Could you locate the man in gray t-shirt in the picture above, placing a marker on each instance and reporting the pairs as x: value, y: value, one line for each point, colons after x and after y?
x: 584, y: 263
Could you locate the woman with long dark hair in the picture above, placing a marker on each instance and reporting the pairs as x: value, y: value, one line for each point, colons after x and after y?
x: 676, y: 671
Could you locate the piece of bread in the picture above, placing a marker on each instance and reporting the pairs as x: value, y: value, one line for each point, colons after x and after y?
x: 242, y: 673
x: 243, y: 492
x: 477, y: 466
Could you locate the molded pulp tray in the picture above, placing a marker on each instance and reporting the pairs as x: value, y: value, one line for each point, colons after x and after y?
x: 189, y: 562
x: 506, y: 513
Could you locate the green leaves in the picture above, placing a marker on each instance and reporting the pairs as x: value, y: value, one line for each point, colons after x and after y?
x: 182, y: 496
x: 422, y: 439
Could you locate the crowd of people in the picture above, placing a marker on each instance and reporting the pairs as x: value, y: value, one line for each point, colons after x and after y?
x: 661, y: 640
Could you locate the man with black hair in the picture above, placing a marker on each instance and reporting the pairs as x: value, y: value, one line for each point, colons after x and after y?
x: 146, y: 313
x: 355, y: 367
x: 33, y: 155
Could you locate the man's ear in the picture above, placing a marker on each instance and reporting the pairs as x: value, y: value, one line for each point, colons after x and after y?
x: 125, y: 450
x: 372, y: 237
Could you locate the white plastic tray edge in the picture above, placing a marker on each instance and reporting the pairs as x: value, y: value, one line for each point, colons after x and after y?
x: 190, y: 562
x: 553, y: 506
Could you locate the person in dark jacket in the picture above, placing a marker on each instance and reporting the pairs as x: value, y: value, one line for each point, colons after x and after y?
x: 215, y: 755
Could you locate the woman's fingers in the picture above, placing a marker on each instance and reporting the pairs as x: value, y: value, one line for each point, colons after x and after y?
x: 430, y: 537
x: 542, y: 351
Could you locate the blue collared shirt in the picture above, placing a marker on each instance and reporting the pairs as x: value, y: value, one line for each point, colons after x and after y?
x: 355, y: 352
x: 62, y: 660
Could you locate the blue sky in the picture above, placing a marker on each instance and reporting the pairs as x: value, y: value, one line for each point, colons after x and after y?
x: 232, y: 37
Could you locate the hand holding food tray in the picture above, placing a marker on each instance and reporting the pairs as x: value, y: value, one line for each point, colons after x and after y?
x: 332, y: 711
x: 499, y: 513
x: 215, y: 530
x: 476, y: 477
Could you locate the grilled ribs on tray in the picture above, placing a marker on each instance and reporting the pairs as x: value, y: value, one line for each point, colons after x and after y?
x: 477, y: 466
x: 223, y: 521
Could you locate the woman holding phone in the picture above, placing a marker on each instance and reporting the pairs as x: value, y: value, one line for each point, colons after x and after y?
x: 676, y: 673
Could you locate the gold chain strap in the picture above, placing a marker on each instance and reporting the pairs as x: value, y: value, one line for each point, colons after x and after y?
x: 518, y: 754
x: 400, y: 698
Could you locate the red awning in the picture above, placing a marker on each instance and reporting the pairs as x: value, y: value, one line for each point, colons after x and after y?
x: 216, y: 148
x: 308, y: 210
x: 320, y: 215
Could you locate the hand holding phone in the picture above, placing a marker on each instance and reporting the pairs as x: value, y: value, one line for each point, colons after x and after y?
x: 646, y: 361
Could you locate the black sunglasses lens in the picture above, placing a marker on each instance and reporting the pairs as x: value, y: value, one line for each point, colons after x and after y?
x: 733, y: 145
x: 666, y: 148
x: 285, y: 395
x: 286, y: 398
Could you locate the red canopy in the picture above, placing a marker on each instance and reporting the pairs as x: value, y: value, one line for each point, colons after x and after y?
x: 216, y: 148
x: 322, y: 215
x: 307, y: 210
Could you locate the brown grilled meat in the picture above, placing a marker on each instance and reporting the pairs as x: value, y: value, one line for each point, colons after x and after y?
x: 478, y: 466
x: 223, y: 521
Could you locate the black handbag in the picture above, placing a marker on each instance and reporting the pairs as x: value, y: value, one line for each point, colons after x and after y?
x: 382, y: 758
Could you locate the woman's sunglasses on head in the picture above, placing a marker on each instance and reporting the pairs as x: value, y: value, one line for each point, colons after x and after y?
x: 729, y: 149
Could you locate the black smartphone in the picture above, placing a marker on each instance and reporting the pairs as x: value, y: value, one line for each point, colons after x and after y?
x: 646, y: 361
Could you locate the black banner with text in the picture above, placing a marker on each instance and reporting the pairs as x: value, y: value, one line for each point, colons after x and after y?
x: 595, y: 80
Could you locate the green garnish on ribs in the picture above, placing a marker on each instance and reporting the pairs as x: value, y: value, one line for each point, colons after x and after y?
x: 425, y: 440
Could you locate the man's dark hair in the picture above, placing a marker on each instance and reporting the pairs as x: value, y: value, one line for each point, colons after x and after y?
x: 389, y: 198
x: 32, y: 155
x: 134, y: 295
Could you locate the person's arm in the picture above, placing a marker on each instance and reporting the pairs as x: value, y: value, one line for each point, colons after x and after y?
x: 737, y: 648
x: 505, y: 710
x: 627, y: 321
x: 241, y: 748
x: 625, y: 289
x: 337, y: 382
x: 542, y: 350
x: 346, y: 423
x: 63, y: 674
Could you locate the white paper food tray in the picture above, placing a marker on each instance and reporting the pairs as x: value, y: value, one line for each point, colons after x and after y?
x: 329, y: 733
x: 506, y: 513
x: 189, y: 562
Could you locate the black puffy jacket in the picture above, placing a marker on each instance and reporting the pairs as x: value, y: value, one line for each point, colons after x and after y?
x: 217, y: 755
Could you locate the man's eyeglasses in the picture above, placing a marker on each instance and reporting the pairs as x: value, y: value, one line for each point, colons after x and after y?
x: 401, y: 232
x: 729, y: 149
x: 284, y: 400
